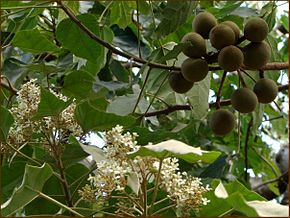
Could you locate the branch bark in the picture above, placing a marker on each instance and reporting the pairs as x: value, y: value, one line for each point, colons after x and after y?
x: 173, y: 108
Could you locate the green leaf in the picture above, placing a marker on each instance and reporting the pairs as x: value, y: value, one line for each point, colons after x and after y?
x: 33, y: 181
x: 5, y: 4
x: 174, y: 148
x: 145, y: 135
x: 198, y: 97
x: 43, y: 68
x: 285, y: 22
x: 172, y: 54
x: 77, y: 41
x: 225, y: 10
x: 79, y: 84
x: 6, y: 120
x: 122, y: 105
x: 133, y: 182
x: 174, y: 15
x: 73, y: 152
x: 11, y: 176
x: 215, y: 169
x: 91, y: 118
x: 119, y: 71
x: 96, y: 152
x: 50, y: 105
x: 229, y: 197
x: 33, y: 41
x: 121, y: 13
x: 238, y: 202
x: 269, y: 11
x: 245, y: 12
x: 94, y: 67
x: 269, y: 209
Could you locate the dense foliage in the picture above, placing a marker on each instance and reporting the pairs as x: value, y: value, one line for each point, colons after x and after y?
x: 90, y: 124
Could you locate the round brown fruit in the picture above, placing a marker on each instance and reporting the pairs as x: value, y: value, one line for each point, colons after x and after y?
x: 221, y: 36
x: 194, y: 70
x: 244, y: 100
x: 230, y: 58
x: 222, y: 122
x: 256, y: 55
x: 266, y: 90
x: 203, y: 23
x: 256, y: 29
x: 234, y: 27
x: 178, y: 83
x: 197, y: 47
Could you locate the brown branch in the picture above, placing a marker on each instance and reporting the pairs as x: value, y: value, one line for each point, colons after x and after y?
x: 276, y: 66
x: 8, y: 86
x: 270, y: 66
x: 218, y: 98
x: 280, y: 178
x: 173, y: 108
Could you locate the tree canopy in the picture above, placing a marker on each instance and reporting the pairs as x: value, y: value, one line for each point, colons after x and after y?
x: 135, y: 108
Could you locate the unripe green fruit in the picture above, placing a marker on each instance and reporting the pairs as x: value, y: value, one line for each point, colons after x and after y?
x: 178, y: 83
x: 234, y: 27
x: 203, y: 23
x: 221, y: 36
x: 230, y: 58
x: 266, y: 90
x: 197, y: 47
x: 256, y: 29
x: 194, y: 70
x: 244, y: 100
x: 222, y: 122
x: 256, y: 55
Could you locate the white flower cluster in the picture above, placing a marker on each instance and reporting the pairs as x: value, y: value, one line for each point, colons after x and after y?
x: 28, y: 99
x: 185, y: 190
x: 112, y: 171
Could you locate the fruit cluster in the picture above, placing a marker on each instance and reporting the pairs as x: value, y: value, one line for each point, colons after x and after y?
x: 225, y: 37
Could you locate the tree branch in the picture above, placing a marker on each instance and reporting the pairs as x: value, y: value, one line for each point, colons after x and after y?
x: 270, y: 181
x: 269, y: 66
x: 173, y: 108
x: 219, y: 94
x: 8, y: 86
x: 250, y: 124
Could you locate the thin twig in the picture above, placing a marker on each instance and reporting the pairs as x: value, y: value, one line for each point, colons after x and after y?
x: 138, y: 28
x: 248, y: 75
x: 239, y: 134
x: 24, y: 155
x: 163, y: 209
x: 270, y: 181
x: 261, y: 74
x: 23, y: 9
x: 142, y: 89
x: 218, y: 97
x: 174, y: 108
x: 156, y: 187
x: 265, y: 160
x: 57, y: 203
x: 151, y: 102
x: 250, y: 124
x: 9, y: 87
x: 241, y: 79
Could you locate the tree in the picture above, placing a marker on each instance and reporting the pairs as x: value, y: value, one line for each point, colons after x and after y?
x: 71, y: 70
